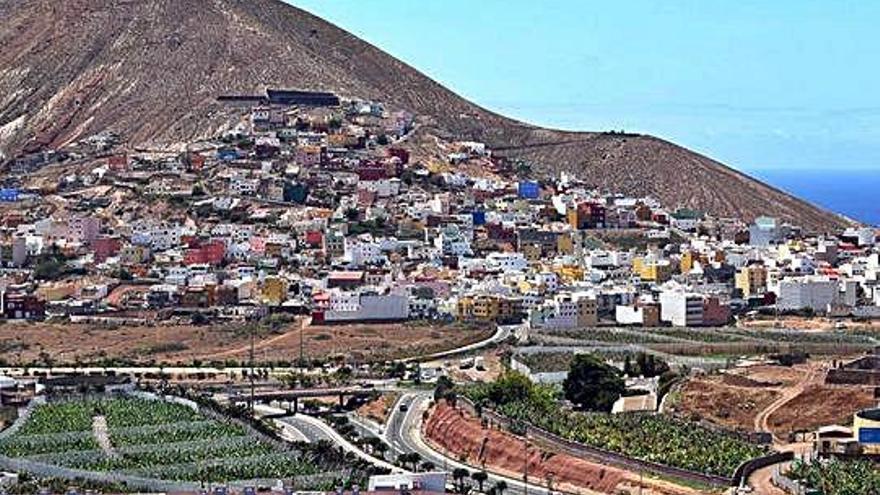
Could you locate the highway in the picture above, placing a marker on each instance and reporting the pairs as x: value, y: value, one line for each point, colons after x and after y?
x: 315, y: 430
x: 404, y: 432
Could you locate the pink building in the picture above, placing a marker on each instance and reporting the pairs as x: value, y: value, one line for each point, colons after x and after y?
x: 83, y: 229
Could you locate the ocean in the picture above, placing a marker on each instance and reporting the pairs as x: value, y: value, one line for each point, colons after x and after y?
x: 854, y: 193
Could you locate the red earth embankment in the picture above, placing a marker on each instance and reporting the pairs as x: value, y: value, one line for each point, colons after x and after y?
x: 464, y: 437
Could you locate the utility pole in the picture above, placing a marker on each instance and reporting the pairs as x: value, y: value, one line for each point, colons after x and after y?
x: 302, y: 346
x: 253, y: 337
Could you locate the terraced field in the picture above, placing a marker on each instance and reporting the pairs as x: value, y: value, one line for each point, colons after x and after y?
x: 155, y: 439
x: 713, y: 343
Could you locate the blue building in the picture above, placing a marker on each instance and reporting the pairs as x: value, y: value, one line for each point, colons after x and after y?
x: 529, y: 189
x: 227, y: 155
x: 479, y: 217
x: 9, y: 195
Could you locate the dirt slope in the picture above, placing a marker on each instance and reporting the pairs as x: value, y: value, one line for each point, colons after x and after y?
x: 151, y: 69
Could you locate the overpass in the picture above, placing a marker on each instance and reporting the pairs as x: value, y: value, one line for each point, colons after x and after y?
x: 293, y: 396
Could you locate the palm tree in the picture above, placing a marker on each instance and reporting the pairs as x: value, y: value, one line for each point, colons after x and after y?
x: 459, y: 475
x: 500, y: 487
x: 480, y: 477
x: 411, y: 459
x: 427, y: 466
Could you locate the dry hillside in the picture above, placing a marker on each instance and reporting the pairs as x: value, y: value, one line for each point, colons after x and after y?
x: 151, y: 70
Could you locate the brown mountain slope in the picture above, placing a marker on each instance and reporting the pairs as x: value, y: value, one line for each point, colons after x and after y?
x: 151, y: 69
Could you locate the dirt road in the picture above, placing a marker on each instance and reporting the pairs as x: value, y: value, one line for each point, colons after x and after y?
x: 815, y: 375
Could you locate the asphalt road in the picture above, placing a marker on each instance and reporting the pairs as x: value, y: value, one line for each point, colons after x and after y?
x: 501, y: 334
x: 404, y: 432
x: 316, y: 430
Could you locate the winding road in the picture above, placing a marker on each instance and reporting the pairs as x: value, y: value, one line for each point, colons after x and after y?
x: 315, y: 430
x: 403, y: 432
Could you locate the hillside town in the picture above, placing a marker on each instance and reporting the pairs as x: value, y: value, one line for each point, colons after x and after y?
x: 317, y: 206
x: 723, y: 348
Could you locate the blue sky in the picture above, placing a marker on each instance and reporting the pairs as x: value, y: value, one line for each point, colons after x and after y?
x: 775, y: 84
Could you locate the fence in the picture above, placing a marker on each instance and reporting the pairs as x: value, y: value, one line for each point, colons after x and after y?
x: 747, y: 468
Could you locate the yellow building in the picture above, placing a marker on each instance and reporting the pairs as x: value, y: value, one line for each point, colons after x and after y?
x: 569, y: 273
x: 866, y: 430
x: 274, y: 291
x: 565, y: 243
x: 486, y: 307
x: 687, y: 261
x: 652, y: 270
x: 751, y: 280
x: 436, y: 167
x: 532, y: 253
x: 465, y: 308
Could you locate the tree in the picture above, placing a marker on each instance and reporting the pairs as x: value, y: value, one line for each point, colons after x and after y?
x: 500, y: 487
x: 444, y: 386
x: 480, y: 477
x: 459, y: 475
x: 510, y: 387
x: 593, y: 385
x: 50, y: 269
x: 410, y: 459
x: 427, y: 466
x: 628, y: 366
x: 398, y: 370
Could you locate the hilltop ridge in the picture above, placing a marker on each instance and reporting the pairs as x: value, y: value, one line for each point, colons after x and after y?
x: 151, y: 70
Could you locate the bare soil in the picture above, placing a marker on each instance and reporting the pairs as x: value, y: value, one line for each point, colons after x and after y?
x: 820, y: 405
x: 379, y: 409
x: 771, y: 398
x: 815, y: 324
x: 41, y: 343
x: 728, y: 405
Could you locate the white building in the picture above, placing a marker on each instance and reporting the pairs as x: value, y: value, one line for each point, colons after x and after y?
x: 507, y: 262
x: 766, y: 231
x: 243, y: 186
x: 159, y: 237
x: 681, y: 309
x: 177, y: 275
x: 359, y: 252
x: 558, y: 313
x: 815, y: 293
x: 354, y: 307
x: 629, y: 315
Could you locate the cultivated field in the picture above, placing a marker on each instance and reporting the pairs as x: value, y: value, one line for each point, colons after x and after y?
x: 43, y: 343
x: 707, y: 348
x: 153, y: 439
x: 655, y: 438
